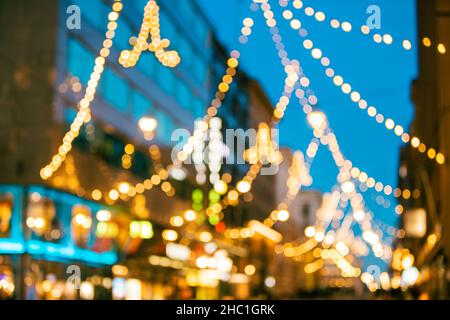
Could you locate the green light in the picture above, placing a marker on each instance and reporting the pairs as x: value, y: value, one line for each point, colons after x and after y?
x: 197, y: 196
x: 214, y: 219
x: 214, y: 197
x: 197, y: 206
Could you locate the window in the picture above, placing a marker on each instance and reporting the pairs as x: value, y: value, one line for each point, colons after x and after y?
x: 166, y: 79
x: 168, y: 30
x: 199, y: 108
x: 185, y: 53
x: 123, y: 35
x: 141, y: 106
x: 183, y: 95
x: 147, y: 63
x: 200, y: 69
x: 69, y: 114
x: 42, y: 218
x: 93, y: 12
x: 115, y: 90
x: 6, y: 209
x: 163, y: 122
x: 81, y: 225
x: 80, y: 61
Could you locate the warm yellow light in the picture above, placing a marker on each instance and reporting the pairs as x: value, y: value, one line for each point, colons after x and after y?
x: 205, y: 236
x: 190, y: 215
x: 348, y: 187
x: 415, y: 142
x: 440, y: 158
x: 103, y: 215
x: 243, y: 186
x: 317, y: 119
x: 124, y: 188
x: 148, y: 124
x: 96, y: 195
x: 176, y: 221
x: 170, y: 235
x: 221, y: 187
x: 359, y: 215
x: 441, y: 48
x: 113, y: 195
x: 129, y: 149
x: 310, y: 231
x: 283, y: 215
x: 250, y: 270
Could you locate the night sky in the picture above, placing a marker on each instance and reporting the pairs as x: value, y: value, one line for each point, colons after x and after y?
x: 382, y: 74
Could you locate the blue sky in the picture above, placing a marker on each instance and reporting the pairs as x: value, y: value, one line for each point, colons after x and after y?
x: 382, y: 74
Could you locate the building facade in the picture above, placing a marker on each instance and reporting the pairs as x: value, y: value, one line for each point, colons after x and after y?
x: 72, y: 222
x: 426, y: 214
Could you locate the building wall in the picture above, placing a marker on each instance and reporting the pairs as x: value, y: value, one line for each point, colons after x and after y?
x: 26, y: 87
x: 431, y: 96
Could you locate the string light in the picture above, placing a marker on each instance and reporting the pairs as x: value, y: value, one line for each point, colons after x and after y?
x: 386, y: 39
x: 150, y: 27
x: 356, y: 98
x: 84, y: 113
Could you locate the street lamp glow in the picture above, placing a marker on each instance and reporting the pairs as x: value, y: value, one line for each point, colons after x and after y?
x: 317, y: 119
x: 148, y: 124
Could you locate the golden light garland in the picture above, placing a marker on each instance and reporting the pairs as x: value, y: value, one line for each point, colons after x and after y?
x: 84, y: 113
x: 357, y: 173
x: 346, y: 26
x: 372, y: 111
x: 298, y: 176
x: 150, y: 28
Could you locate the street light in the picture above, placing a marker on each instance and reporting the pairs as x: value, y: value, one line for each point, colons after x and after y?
x: 148, y: 125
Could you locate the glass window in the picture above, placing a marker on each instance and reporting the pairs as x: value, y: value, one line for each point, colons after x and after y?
x: 200, y: 69
x: 81, y: 225
x: 93, y: 12
x: 69, y: 114
x: 123, y: 35
x: 42, y: 219
x: 6, y: 209
x: 80, y: 61
x: 166, y: 79
x: 185, y: 53
x: 170, y: 128
x: 147, y: 63
x: 115, y: 90
x: 183, y: 95
x: 141, y: 106
x: 168, y: 29
x: 163, y: 126
x: 198, y: 107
